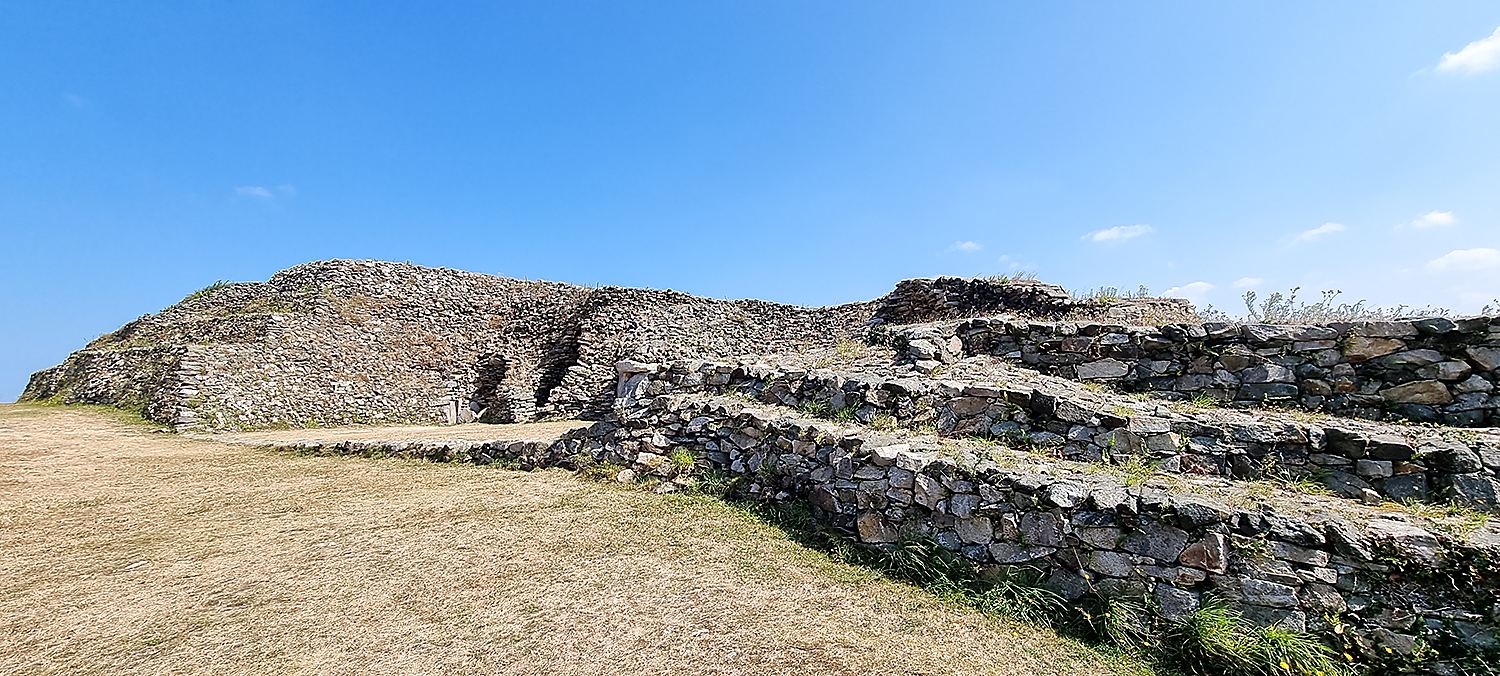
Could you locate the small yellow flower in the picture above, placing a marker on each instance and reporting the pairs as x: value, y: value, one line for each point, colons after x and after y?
x: 1285, y: 666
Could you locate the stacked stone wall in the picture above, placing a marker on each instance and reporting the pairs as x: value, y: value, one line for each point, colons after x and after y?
x: 943, y: 298
x: 345, y: 342
x: 1352, y: 458
x: 1428, y: 370
x: 1089, y: 534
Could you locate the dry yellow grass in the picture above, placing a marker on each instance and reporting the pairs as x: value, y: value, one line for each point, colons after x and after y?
x: 128, y: 552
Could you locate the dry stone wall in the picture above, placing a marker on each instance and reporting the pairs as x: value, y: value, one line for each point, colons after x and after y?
x: 943, y: 298
x: 342, y: 342
x: 1428, y: 370
x: 1355, y: 459
x: 1089, y: 534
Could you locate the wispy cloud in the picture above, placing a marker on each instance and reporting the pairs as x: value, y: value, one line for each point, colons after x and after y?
x: 1194, y: 292
x: 263, y: 193
x: 969, y: 247
x: 74, y: 99
x: 1434, y: 219
x: 1319, y: 232
x: 1466, y: 260
x: 1247, y: 282
x: 1118, y: 232
x: 1478, y: 56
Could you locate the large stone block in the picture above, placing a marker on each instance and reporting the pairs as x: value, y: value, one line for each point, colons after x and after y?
x: 875, y: 529
x: 1104, y: 369
x: 1429, y: 392
x: 1158, y: 541
x: 1486, y: 358
x: 1363, y: 348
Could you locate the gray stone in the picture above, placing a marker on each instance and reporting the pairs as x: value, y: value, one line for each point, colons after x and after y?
x: 1160, y: 542
x: 886, y: 456
x: 1043, y: 528
x: 1450, y: 457
x: 1113, y: 564
x: 1362, y: 348
x: 1322, y: 599
x: 1114, y: 587
x: 1486, y: 358
x: 1412, y: 358
x: 1285, y: 618
x: 1065, y: 494
x: 1264, y: 391
x: 964, y: 407
x: 928, y: 491
x: 1411, y: 486
x: 1175, y: 603
x: 1099, y: 538
x: 1104, y: 369
x: 1112, y: 498
x: 1418, y: 392
x: 1409, y: 541
x: 1389, y: 447
x: 1295, y: 554
x: 1345, y: 484
x: 963, y: 505
x: 1475, y: 490
x: 1010, y: 553
x: 1271, y: 594
x: 1434, y: 325
x: 1448, y: 370
x: 975, y: 531
x: 1067, y: 584
x: 1373, y: 469
x: 1400, y: 644
x: 1194, y: 511
x: 873, y: 528
x: 1387, y: 329
x: 1474, y: 384
x: 1268, y: 373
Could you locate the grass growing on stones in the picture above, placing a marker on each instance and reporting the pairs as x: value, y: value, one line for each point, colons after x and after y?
x: 1214, y: 640
x: 1455, y: 519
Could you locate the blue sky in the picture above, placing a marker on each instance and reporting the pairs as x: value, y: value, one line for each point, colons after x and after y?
x: 805, y: 152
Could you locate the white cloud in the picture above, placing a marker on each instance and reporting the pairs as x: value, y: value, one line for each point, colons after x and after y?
x: 254, y: 191
x: 1247, y: 282
x: 1118, y: 232
x: 1477, y: 57
x: 969, y: 247
x: 1435, y: 219
x: 1466, y: 260
x: 1194, y: 292
x: 74, y: 99
x: 287, y: 189
x: 1319, y: 232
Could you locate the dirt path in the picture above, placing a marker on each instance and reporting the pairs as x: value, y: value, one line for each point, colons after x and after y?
x: 128, y: 552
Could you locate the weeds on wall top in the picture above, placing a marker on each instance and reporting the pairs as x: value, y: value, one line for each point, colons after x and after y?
x: 1284, y: 308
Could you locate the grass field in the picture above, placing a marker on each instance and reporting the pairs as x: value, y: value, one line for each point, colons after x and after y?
x: 124, y: 551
